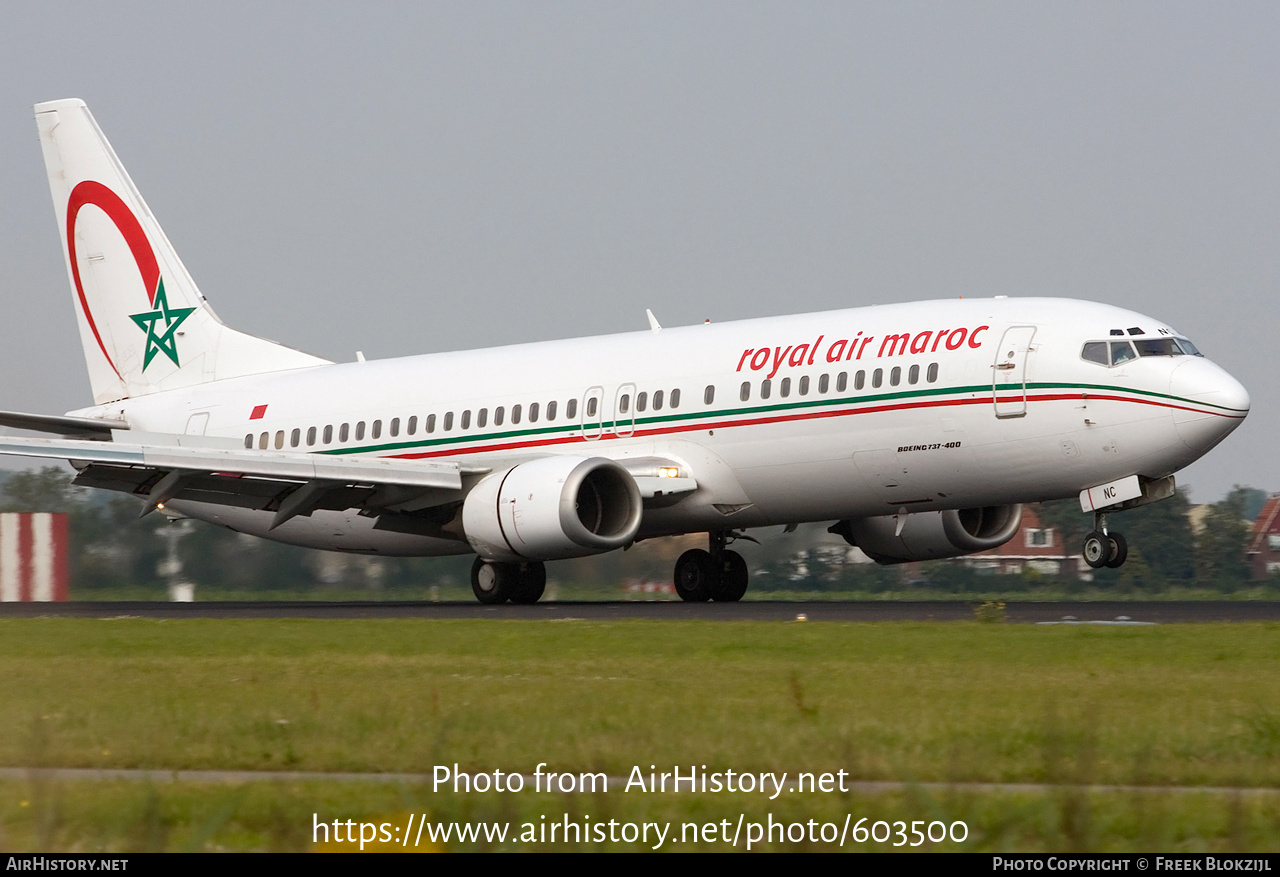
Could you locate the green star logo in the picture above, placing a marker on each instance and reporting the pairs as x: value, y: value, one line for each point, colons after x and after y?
x: 160, y: 325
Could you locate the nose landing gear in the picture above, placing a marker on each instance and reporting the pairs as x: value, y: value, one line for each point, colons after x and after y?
x: 718, y: 574
x: 1103, y: 547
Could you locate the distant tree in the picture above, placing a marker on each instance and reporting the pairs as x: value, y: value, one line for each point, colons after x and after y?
x: 1251, y: 501
x: 41, y: 490
x: 1220, y: 546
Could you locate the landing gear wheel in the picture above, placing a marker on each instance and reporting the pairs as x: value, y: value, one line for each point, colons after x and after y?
x: 493, y: 582
x: 694, y: 575
x: 732, y: 581
x: 1097, y: 549
x: 531, y: 581
x: 1119, y: 550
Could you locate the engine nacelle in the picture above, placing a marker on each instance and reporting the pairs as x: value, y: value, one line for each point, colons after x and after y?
x: 552, y: 508
x: 932, y: 535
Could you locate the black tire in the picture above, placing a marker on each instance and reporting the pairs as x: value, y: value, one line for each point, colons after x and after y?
x: 531, y: 581
x: 493, y: 582
x: 732, y: 582
x: 1119, y: 550
x: 1097, y: 548
x: 694, y: 574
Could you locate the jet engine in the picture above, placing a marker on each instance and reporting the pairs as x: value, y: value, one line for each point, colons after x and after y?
x: 931, y: 535
x: 552, y: 508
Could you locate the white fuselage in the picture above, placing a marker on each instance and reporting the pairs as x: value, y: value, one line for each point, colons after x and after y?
x: 869, y: 411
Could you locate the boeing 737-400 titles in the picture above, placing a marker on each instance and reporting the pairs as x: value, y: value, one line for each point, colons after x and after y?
x: 918, y: 429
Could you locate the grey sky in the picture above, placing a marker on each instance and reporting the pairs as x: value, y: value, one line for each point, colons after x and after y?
x: 404, y: 178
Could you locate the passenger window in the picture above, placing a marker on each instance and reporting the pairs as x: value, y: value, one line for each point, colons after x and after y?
x: 295, y: 438
x: 248, y: 441
x: 895, y: 376
x: 311, y: 437
x: 360, y: 431
x: 412, y: 427
x: 515, y: 413
x: 1095, y: 351
x: 675, y: 398
x: 465, y: 422
x: 709, y: 395
x: 591, y: 406
x: 624, y: 403
x: 499, y: 415
x: 913, y: 376
x: 344, y: 433
x: 804, y: 386
x: 431, y: 423
x: 824, y: 383
x: 860, y: 380
x: 448, y: 421
x: 482, y: 417
x: 263, y: 441
x: 744, y: 392
x: 377, y: 429
x: 657, y: 400
x: 395, y: 426
x: 842, y: 382
x: 533, y: 412
x: 784, y: 389
x: 642, y: 401
x: 1121, y: 351
x: 933, y: 372
x: 877, y: 377
x: 328, y: 434
x: 766, y: 387
x: 279, y: 439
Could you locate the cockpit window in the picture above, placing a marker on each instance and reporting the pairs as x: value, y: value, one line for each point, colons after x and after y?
x: 1121, y: 351
x: 1158, y: 347
x: 1095, y: 351
x: 1187, y: 347
x: 1111, y: 353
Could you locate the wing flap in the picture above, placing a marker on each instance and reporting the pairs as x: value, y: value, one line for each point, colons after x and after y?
x: 289, y: 484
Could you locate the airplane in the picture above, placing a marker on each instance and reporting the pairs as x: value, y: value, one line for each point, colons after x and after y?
x: 918, y: 429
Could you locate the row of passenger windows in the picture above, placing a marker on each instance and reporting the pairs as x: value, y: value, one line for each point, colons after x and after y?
x: 658, y: 400
x: 842, y: 381
x: 344, y: 433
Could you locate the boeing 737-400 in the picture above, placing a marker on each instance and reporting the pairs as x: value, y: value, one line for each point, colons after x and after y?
x: 919, y: 429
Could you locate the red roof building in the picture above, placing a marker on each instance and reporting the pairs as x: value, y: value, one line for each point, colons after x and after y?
x: 1035, y: 546
x: 1264, y: 544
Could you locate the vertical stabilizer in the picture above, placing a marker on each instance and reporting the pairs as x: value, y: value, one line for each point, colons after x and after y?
x: 144, y: 325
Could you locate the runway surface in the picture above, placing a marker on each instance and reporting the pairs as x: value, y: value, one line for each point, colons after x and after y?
x: 1110, y: 612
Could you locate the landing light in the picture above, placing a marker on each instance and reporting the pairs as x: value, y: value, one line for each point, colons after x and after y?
x: 668, y: 472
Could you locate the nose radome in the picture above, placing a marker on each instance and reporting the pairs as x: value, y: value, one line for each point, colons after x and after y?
x: 1199, y: 380
x: 1219, y: 403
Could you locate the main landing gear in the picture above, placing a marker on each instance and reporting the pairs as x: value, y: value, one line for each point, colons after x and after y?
x: 496, y: 582
x: 1103, y: 547
x: 718, y: 574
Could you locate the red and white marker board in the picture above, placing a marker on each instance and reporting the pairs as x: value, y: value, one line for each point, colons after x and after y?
x: 33, y: 556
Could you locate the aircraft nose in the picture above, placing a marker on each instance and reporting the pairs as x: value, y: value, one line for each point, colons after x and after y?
x: 1211, y: 403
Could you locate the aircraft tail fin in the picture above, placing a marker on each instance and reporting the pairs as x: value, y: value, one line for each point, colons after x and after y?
x: 143, y: 323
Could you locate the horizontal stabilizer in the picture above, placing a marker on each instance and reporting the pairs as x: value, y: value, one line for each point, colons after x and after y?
x: 71, y: 427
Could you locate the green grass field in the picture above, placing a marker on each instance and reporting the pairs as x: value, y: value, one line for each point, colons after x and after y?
x: 951, y: 704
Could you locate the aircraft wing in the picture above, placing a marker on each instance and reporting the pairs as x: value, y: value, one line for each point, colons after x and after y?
x: 206, y: 470
x: 158, y: 468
